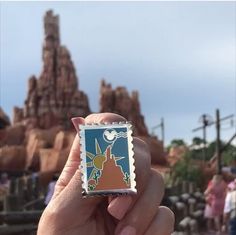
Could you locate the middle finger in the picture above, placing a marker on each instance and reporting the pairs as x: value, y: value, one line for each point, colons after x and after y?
x: 118, y: 206
x: 145, y: 208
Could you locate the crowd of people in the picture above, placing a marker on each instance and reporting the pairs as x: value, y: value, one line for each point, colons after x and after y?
x: 220, y: 210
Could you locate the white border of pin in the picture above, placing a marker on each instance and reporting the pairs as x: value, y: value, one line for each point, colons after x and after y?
x: 83, y: 168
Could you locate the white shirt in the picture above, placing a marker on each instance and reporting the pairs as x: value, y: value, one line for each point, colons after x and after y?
x: 230, y: 202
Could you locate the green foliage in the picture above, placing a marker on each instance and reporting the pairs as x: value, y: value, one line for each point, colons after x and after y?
x: 229, y: 155
x: 197, y: 141
x: 186, y: 170
x: 212, y: 149
x: 198, y: 154
x: 126, y: 178
x: 96, y: 176
x: 91, y: 187
x: 177, y: 142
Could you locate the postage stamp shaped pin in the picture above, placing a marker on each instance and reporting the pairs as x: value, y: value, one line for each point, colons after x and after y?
x: 107, y: 162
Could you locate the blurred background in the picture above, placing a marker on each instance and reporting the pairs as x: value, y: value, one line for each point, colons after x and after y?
x: 169, y: 67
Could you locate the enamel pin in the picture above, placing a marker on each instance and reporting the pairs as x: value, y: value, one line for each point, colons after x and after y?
x: 107, y: 163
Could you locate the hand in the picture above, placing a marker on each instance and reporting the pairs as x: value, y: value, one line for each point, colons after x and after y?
x: 68, y: 213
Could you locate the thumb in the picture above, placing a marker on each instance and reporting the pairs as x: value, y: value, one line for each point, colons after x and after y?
x: 72, y: 162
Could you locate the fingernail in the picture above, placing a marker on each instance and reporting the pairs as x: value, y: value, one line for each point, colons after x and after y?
x: 128, y: 230
x: 76, y: 121
x: 119, y: 206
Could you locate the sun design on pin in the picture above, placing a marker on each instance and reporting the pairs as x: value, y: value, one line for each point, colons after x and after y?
x: 98, y: 159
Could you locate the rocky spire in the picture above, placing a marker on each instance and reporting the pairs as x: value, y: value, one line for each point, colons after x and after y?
x: 119, y: 101
x: 54, y: 97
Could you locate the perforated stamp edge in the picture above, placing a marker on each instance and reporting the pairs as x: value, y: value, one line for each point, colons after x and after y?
x: 83, y: 169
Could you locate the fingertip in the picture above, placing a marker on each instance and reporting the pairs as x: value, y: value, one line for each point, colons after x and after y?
x: 104, y: 117
x: 119, y: 206
x: 77, y: 121
x: 169, y: 214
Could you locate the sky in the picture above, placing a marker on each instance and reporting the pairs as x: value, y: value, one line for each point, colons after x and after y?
x: 180, y: 56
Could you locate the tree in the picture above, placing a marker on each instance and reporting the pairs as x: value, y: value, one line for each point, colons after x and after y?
x: 197, y: 141
x: 186, y: 170
x: 197, y: 149
x: 229, y: 155
x: 177, y: 142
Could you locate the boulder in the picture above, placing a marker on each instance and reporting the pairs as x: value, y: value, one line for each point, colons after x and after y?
x: 17, y: 115
x: 48, y: 160
x: 64, y: 140
x: 38, y: 139
x: 12, y: 158
x: 119, y: 101
x: 52, y: 160
x: 13, y: 135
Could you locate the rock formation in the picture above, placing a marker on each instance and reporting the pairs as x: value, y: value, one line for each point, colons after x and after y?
x: 119, y: 101
x: 12, y: 135
x: 4, y: 119
x: 54, y: 97
x: 12, y: 158
x: 41, y: 129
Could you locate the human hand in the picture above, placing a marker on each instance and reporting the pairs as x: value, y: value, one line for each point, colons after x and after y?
x: 68, y: 213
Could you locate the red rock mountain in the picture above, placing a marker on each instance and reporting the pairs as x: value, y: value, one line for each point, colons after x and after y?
x: 41, y: 129
x: 54, y: 97
x: 119, y: 101
x: 4, y: 119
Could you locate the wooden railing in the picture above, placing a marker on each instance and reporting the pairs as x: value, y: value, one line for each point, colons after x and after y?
x: 187, y: 203
x: 22, y: 206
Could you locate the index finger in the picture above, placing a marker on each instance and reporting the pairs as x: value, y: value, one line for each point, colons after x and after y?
x: 72, y: 162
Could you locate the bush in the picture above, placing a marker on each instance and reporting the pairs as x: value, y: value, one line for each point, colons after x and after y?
x: 186, y: 170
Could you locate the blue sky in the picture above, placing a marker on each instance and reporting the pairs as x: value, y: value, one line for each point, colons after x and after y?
x: 180, y: 56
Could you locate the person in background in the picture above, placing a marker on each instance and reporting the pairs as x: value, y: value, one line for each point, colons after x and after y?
x: 230, y: 209
x: 217, y: 190
x: 208, y: 208
x: 51, y: 188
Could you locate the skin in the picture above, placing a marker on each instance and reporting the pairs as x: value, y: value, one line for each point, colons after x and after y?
x: 68, y: 213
